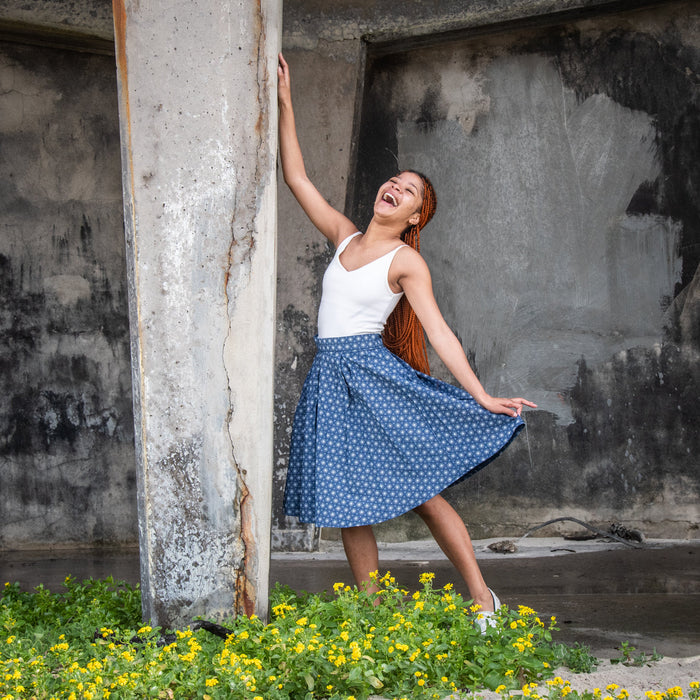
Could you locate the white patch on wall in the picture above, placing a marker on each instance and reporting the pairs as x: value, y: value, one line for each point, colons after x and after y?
x: 535, y: 262
x: 467, y: 98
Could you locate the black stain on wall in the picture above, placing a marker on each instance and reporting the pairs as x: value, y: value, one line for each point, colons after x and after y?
x: 66, y: 422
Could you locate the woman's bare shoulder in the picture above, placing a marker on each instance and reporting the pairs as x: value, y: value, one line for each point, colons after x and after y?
x: 410, y: 259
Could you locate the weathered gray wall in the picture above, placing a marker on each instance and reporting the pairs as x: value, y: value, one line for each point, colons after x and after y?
x: 66, y: 424
x: 564, y: 251
x: 55, y: 490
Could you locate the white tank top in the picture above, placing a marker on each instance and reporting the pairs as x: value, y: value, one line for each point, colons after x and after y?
x: 355, y: 302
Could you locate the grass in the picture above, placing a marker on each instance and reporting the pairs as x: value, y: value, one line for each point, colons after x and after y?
x: 88, y: 642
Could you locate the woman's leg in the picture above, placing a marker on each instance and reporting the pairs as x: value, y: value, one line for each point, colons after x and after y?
x: 451, y: 534
x: 363, y: 556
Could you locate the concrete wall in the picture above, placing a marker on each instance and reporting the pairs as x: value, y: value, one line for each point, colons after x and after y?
x: 66, y: 423
x: 621, y: 370
x: 564, y: 250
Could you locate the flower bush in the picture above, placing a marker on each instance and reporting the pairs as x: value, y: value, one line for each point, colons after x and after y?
x: 87, y: 642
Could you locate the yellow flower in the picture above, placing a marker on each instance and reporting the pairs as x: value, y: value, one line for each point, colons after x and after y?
x: 211, y: 682
x: 500, y: 689
x: 513, y: 625
x: 426, y: 577
x: 421, y: 682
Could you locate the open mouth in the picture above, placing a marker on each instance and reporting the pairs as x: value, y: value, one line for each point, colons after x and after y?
x: 388, y: 197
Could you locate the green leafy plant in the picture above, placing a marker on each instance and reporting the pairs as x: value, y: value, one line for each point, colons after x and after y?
x: 88, y: 642
x: 629, y: 658
x: 577, y: 657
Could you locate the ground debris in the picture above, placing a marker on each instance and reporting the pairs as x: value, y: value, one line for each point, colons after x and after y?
x: 626, y: 533
x: 503, y: 547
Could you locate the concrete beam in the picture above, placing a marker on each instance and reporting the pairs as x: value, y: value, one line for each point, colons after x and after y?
x: 198, y: 134
x: 85, y: 17
x: 309, y: 25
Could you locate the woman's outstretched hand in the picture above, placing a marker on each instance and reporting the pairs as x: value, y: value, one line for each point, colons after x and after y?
x: 283, y: 83
x: 510, y: 407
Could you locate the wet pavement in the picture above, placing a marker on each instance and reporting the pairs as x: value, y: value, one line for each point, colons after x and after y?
x: 601, y: 593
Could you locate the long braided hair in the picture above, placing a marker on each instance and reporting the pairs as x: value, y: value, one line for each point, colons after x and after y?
x: 403, y: 333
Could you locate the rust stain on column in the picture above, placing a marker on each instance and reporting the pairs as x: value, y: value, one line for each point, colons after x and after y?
x: 119, y: 11
x: 245, y: 589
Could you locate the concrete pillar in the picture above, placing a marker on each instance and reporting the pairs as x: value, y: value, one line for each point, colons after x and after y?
x: 198, y: 123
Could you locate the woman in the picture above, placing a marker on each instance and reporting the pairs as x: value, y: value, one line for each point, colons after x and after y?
x: 373, y: 437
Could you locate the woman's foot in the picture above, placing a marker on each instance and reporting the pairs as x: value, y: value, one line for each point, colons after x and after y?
x: 487, y: 618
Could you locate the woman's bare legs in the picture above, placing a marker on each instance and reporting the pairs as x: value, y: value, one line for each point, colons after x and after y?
x: 361, y: 550
x: 451, y: 534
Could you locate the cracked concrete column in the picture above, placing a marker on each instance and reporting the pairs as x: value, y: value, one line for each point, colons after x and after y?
x: 198, y: 123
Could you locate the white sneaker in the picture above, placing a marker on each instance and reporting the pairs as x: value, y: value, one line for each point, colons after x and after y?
x: 488, y: 618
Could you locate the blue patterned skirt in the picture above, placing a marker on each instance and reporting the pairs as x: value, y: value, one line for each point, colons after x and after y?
x: 373, y: 438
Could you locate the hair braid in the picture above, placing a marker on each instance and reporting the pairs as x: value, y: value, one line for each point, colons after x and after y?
x: 403, y: 332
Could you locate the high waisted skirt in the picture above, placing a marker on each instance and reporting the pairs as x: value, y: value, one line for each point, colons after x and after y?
x: 373, y: 438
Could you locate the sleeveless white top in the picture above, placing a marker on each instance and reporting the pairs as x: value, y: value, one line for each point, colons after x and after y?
x: 356, y: 302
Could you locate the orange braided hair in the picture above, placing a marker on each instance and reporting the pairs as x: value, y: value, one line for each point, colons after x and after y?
x: 403, y: 333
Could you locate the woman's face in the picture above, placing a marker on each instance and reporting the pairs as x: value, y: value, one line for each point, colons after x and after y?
x: 400, y: 198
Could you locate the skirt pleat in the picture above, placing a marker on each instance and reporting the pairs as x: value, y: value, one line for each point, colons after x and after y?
x: 373, y: 438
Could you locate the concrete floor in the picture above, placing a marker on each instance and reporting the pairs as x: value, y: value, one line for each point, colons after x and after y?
x: 601, y: 593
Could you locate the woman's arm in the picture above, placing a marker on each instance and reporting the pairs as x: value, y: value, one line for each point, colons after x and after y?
x: 329, y: 221
x: 414, y: 278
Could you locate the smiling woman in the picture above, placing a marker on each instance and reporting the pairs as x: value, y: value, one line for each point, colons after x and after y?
x: 374, y: 435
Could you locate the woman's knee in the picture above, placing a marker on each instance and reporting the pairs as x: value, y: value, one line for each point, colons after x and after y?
x: 430, y: 508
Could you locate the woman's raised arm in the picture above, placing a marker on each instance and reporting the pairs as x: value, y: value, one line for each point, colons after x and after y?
x: 329, y: 221
x: 414, y: 278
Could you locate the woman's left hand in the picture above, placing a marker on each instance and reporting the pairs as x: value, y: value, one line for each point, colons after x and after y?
x: 510, y: 407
